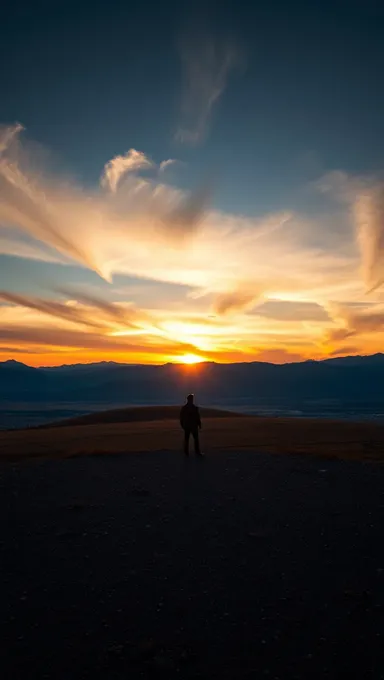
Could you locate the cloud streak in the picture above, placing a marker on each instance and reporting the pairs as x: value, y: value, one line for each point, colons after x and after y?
x: 369, y: 213
x: 67, y: 338
x: 365, y: 197
x: 164, y: 165
x: 81, y: 309
x: 206, y: 66
x: 24, y: 204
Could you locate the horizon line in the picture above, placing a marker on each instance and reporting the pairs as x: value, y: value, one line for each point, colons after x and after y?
x: 190, y: 366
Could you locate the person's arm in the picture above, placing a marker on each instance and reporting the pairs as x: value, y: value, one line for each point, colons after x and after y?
x: 181, y: 418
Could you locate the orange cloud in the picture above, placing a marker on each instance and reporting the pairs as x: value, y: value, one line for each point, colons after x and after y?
x: 235, y: 301
x: 369, y: 211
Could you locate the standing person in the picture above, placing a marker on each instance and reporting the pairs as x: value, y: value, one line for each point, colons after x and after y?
x: 191, y: 423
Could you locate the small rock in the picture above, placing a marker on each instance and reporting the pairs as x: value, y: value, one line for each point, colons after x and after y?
x: 163, y: 663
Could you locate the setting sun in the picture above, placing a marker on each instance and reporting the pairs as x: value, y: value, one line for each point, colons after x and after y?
x: 190, y: 359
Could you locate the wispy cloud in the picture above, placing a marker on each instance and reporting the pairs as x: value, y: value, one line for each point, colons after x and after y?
x: 15, y: 350
x: 353, y: 323
x: 164, y: 165
x: 93, y: 228
x: 119, y: 166
x: 8, y: 134
x: 206, y: 65
x: 345, y: 350
x: 365, y: 198
x: 52, y: 308
x: 292, y: 311
x: 369, y: 212
x: 80, y: 309
x: 86, y: 321
x: 236, y: 300
x: 64, y: 338
x: 24, y: 203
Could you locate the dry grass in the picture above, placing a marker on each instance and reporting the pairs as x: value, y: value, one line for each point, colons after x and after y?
x: 361, y: 441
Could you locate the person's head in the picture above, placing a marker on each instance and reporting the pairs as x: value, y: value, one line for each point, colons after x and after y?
x: 190, y: 398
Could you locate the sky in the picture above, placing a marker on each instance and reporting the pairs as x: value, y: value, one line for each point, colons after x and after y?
x: 191, y: 181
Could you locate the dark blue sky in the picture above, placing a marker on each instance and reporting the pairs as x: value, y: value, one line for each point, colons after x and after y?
x: 90, y: 80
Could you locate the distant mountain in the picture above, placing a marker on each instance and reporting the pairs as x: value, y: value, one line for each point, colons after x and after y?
x: 358, y: 379
x: 12, y: 365
x: 17, y: 378
x: 84, y: 368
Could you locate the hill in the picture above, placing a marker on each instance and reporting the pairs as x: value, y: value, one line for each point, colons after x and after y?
x: 332, y: 439
x: 143, y: 414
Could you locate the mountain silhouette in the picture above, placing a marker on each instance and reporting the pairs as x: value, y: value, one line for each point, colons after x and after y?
x: 356, y: 378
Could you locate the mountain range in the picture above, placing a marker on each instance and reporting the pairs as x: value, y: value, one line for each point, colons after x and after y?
x: 357, y: 379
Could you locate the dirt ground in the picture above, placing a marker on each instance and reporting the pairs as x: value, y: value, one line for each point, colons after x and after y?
x: 340, y: 439
x: 150, y: 565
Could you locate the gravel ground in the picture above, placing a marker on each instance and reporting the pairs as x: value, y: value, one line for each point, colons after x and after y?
x: 241, y: 565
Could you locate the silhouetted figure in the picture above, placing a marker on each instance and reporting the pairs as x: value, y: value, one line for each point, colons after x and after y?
x: 191, y: 423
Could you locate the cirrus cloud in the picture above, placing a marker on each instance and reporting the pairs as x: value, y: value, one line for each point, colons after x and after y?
x: 207, y: 64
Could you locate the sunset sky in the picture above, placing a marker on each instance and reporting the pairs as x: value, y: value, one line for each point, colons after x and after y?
x: 181, y: 181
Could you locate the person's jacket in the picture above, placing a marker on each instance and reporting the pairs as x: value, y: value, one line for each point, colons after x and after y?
x: 190, y: 417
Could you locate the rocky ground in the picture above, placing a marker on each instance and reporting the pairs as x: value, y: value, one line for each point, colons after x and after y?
x: 242, y: 565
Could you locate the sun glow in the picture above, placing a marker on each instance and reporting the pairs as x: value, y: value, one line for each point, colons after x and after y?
x: 190, y: 359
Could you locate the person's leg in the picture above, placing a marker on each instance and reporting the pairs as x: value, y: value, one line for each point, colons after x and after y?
x: 196, y: 441
x: 186, y: 442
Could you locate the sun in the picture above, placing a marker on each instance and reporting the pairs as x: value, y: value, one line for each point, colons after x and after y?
x: 190, y: 359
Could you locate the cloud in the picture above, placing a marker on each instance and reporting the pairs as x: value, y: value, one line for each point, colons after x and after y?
x: 346, y: 350
x: 166, y: 164
x: 186, y: 216
x: 99, y: 230
x: 77, y: 339
x: 369, y: 213
x: 152, y: 231
x: 235, y: 300
x: 81, y: 312
x: 365, y: 198
x: 85, y: 321
x: 8, y: 134
x: 119, y: 166
x: 50, y: 307
x: 16, y: 350
x: 292, y: 311
x: 206, y: 66
x: 340, y: 185
x: 109, y: 310
x: 355, y: 323
x: 15, y: 247
x: 24, y: 204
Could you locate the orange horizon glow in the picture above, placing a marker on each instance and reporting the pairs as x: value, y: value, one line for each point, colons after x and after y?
x: 190, y: 359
